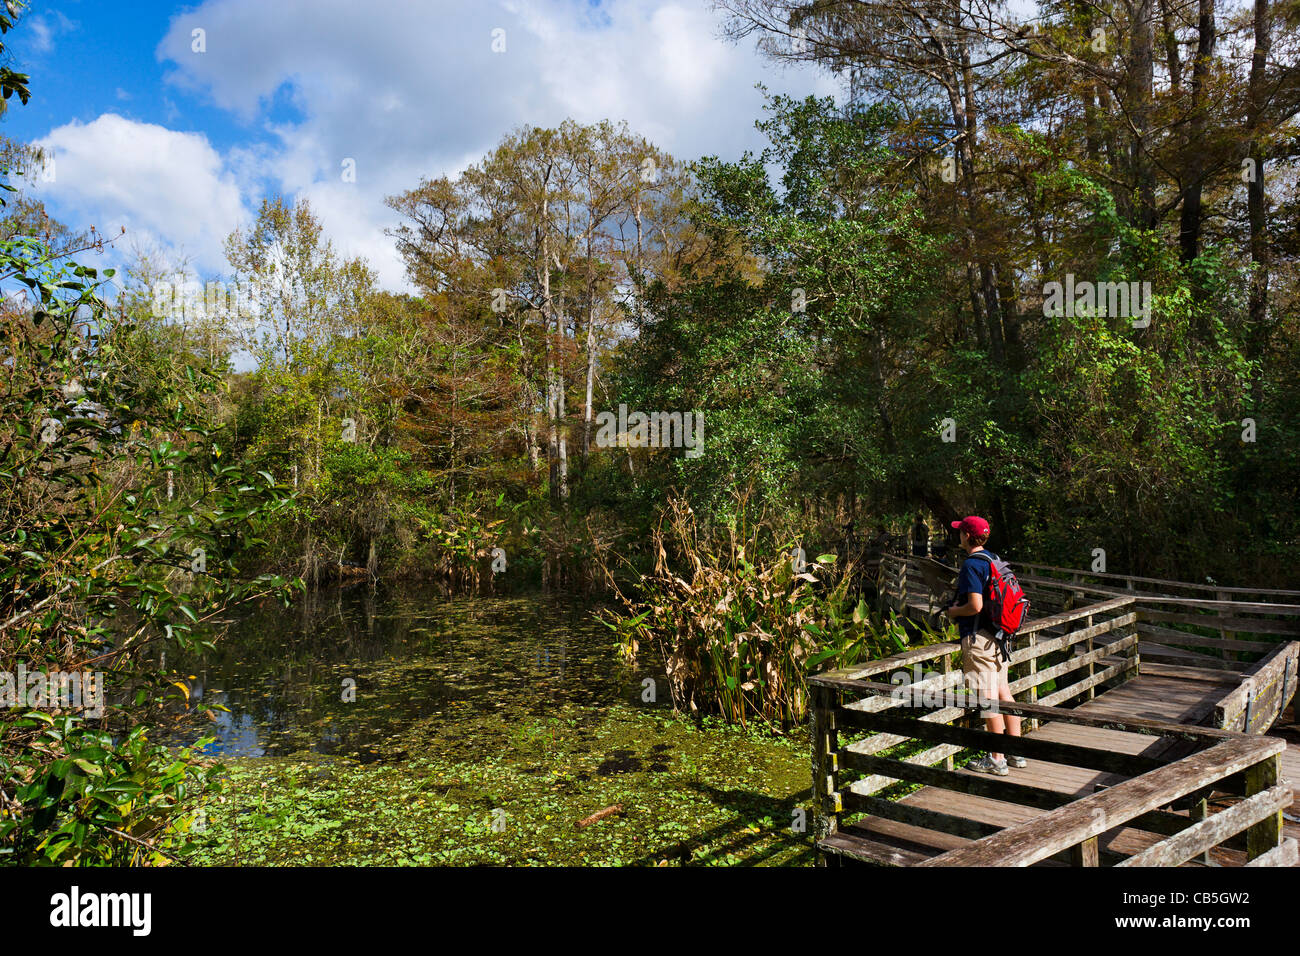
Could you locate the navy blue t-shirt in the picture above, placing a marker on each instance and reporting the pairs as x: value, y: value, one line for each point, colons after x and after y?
x: 974, y: 577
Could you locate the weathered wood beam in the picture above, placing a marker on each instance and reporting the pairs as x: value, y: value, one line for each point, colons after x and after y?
x: 982, y: 785
x: 1074, y: 690
x: 1246, y: 624
x: 1183, y: 638
x: 919, y: 816
x: 1213, y: 830
x: 1033, y: 840
x: 1267, y: 833
x: 853, y: 846
x: 1263, y: 679
x: 1288, y: 854
x: 825, y: 745
x: 1069, y: 754
x: 1151, y: 652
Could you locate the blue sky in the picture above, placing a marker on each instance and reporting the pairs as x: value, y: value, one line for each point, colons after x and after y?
x: 87, y: 57
x: 178, y: 145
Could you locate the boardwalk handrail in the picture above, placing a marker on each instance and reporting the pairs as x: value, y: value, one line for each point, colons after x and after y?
x: 1173, y: 629
x: 886, y: 710
x: 1184, y: 585
x: 1252, y: 706
x: 1162, y: 779
x: 1032, y: 642
x: 1080, y: 823
x: 1281, y: 607
x: 929, y: 652
x: 1215, y: 604
x: 1209, y: 604
x: 1155, y: 808
x: 1164, y: 642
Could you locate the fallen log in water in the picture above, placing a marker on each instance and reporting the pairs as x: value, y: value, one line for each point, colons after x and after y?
x: 600, y: 815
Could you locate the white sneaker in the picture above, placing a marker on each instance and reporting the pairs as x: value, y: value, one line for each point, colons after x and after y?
x: 987, y: 764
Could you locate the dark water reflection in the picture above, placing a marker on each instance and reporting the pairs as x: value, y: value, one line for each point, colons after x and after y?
x: 411, y: 655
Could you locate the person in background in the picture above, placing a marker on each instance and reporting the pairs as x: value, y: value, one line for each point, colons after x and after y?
x: 920, y: 538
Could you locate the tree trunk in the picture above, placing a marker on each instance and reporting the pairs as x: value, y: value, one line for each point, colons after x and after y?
x: 1172, y: 58
x: 562, y: 446
x: 1189, y: 230
x: 591, y: 378
x: 1140, y: 80
x: 1256, y: 194
x: 550, y: 320
x: 968, y: 121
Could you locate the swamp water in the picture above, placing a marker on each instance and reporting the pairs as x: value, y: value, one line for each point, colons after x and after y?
x: 404, y: 727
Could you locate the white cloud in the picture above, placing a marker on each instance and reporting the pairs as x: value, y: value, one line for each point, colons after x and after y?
x: 42, y: 29
x: 414, y: 89
x: 407, y: 90
x: 42, y: 35
x: 165, y: 187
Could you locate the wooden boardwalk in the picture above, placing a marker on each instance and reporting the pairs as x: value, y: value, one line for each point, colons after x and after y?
x: 1131, y: 718
x: 1249, y: 632
x: 1156, y: 698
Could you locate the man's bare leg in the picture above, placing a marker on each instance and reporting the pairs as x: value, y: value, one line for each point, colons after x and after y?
x: 1013, y: 721
x: 995, y: 725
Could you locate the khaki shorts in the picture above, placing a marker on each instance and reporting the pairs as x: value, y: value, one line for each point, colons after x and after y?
x: 983, y: 664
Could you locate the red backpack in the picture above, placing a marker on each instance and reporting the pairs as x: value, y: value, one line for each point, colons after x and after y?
x: 1004, y: 600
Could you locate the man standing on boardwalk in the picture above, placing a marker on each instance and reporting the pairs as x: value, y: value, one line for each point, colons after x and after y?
x: 920, y: 537
x: 982, y: 661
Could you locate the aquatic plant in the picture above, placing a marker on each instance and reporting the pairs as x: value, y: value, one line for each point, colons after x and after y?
x: 739, y: 626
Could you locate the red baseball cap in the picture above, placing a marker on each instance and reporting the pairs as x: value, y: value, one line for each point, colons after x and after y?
x: 972, y: 524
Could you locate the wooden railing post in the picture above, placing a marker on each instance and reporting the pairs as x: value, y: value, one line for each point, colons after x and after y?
x: 1198, y: 812
x: 1267, y: 834
x: 1226, y: 634
x: 945, y: 664
x: 1092, y: 690
x: 1134, y: 655
x: 825, y: 770
x: 1085, y: 853
x: 1033, y: 690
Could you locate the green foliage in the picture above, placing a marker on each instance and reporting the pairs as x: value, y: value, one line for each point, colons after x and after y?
x: 100, y: 801
x: 814, y: 356
x: 97, y: 563
x: 11, y: 82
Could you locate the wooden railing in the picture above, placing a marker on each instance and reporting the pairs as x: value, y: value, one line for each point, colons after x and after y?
x: 901, y: 581
x: 1250, y: 642
x: 1242, y: 765
x: 1260, y: 699
x: 890, y: 721
x: 1267, y: 623
x: 1093, y: 644
x: 1159, y: 586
